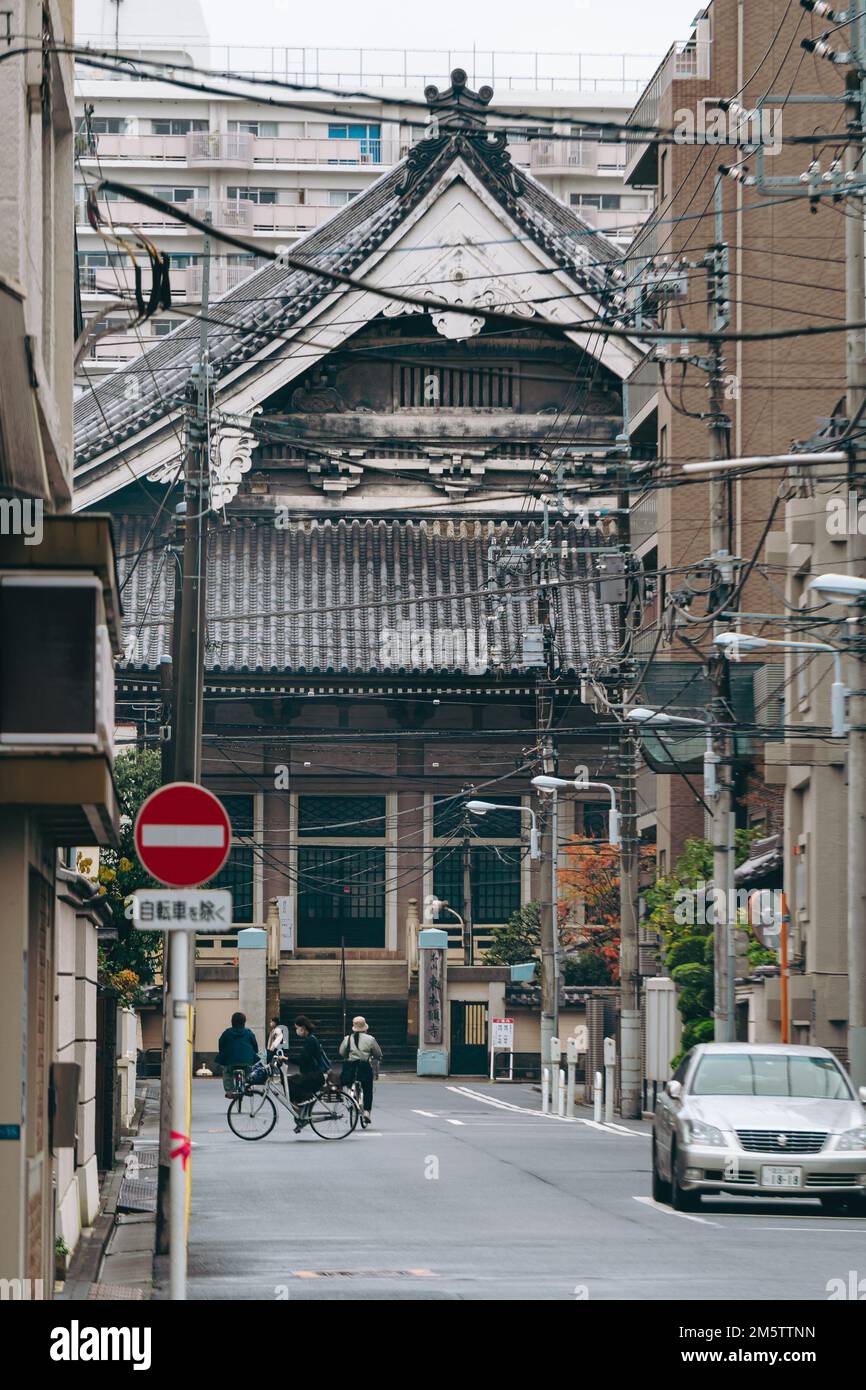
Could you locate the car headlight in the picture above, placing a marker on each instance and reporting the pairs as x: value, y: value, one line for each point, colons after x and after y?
x: 853, y: 1139
x: 699, y: 1133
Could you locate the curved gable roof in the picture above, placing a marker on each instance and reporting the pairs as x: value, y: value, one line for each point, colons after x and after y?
x: 270, y: 301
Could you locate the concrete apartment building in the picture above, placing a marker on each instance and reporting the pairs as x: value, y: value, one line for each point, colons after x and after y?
x: 59, y: 623
x: 786, y: 269
x: 273, y: 174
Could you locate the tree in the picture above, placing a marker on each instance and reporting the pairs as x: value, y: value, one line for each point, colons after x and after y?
x: 131, y: 961
x: 519, y: 941
x: 593, y: 880
x: 687, y: 936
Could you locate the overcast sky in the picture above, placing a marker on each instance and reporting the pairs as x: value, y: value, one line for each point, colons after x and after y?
x: 550, y: 26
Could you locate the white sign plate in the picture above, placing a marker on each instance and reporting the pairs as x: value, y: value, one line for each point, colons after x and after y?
x: 287, y: 935
x: 207, y: 911
x: 502, y: 1035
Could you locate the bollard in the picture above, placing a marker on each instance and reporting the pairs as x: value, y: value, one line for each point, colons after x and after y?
x: 560, y: 1108
x: 596, y: 1098
x: 545, y: 1091
x: 609, y: 1077
x: 571, y: 1054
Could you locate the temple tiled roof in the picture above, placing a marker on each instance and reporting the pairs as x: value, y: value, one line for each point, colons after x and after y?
x: 271, y: 300
x: 334, y: 597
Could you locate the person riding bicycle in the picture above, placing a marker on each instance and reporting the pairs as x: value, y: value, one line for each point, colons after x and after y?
x: 360, y: 1050
x: 313, y: 1066
x: 237, y: 1048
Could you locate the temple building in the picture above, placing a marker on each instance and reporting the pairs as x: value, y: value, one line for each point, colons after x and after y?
x: 397, y: 611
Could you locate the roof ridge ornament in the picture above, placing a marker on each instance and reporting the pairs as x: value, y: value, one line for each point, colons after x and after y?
x: 458, y: 123
x: 458, y: 107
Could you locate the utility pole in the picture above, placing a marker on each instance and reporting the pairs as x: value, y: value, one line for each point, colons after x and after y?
x: 855, y: 299
x: 631, y: 1071
x: 188, y: 712
x: 549, y: 846
x: 466, y: 854
x: 721, y: 530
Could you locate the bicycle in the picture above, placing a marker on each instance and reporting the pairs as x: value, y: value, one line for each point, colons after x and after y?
x: 356, y: 1090
x: 331, y: 1113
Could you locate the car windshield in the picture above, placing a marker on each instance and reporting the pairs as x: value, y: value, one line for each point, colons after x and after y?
x: 759, y: 1074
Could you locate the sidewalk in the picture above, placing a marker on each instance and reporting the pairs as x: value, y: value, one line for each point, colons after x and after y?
x: 115, y: 1260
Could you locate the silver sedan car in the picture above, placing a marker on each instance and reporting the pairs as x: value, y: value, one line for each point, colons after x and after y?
x: 767, y: 1119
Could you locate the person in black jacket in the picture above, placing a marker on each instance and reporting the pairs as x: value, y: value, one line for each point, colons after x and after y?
x: 313, y: 1065
x: 237, y: 1048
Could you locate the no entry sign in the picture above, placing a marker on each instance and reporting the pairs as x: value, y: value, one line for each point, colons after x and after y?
x: 182, y: 835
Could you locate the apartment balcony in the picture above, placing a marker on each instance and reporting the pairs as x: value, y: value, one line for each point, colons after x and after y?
x: 688, y: 59
x: 136, y: 149
x: 239, y: 150
x: 226, y: 149
x: 120, y: 212
x: 274, y: 151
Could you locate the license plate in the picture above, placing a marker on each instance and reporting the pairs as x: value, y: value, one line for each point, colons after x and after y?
x: 781, y: 1177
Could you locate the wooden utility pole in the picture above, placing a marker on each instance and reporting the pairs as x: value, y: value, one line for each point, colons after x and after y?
x: 188, y: 694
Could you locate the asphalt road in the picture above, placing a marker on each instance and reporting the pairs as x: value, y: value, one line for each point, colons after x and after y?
x: 462, y: 1190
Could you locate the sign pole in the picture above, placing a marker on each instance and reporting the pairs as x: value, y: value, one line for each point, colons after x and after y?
x: 180, y: 1142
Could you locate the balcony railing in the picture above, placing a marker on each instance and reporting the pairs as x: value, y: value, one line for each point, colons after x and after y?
x: 163, y: 148
x: 240, y: 149
x: 278, y: 150
x: 220, y: 147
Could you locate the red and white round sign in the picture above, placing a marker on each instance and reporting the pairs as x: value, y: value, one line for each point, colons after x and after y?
x: 182, y: 835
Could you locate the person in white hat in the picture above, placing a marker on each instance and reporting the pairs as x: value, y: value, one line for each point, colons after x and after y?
x: 360, y: 1050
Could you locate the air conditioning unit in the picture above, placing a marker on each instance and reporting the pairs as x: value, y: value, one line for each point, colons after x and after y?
x: 56, y: 665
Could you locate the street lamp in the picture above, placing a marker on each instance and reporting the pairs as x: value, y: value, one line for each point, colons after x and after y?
x: 555, y: 784
x: 480, y: 808
x: 724, y: 844
x: 654, y: 718
x: 841, y: 588
x: 732, y: 643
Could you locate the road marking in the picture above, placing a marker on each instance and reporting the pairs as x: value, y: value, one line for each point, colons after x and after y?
x: 454, y: 1122
x: 669, y: 1211
x: 609, y: 1128
x: 431, y: 1114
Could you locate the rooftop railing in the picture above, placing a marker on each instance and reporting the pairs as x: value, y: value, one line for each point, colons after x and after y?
x: 390, y: 68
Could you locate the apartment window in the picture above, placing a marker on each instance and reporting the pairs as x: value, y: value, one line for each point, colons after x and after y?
x: 181, y: 194
x: 96, y: 258
x: 103, y: 125
x: 270, y: 128
x: 607, y: 201
x: 160, y: 328
x: 341, y: 883
x: 339, y: 197
x: 370, y: 136
x: 253, y: 195
x: 176, y: 126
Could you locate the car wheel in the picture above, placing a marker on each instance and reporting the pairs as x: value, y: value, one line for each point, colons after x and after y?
x: 661, y: 1189
x: 681, y: 1199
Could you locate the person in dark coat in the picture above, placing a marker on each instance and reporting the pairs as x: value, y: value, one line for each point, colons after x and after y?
x: 312, y: 1063
x: 237, y: 1048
